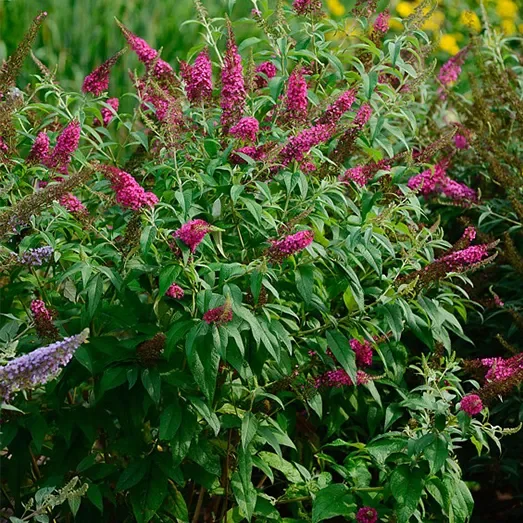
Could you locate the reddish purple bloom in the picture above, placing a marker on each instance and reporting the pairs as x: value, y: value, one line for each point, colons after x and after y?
x: 499, y: 369
x: 129, y: 193
x: 461, y: 142
x: 66, y: 144
x: 3, y: 146
x: 466, y: 257
x: 451, y: 70
x: 146, y: 54
x: 73, y: 204
x: 192, y: 233
x: 298, y: 146
x: 339, y: 378
x: 471, y: 404
x: 336, y: 110
x: 292, y: 244
x: 361, y: 174
x: 381, y: 25
x: 367, y: 515
x: 98, y: 81
x: 108, y: 113
x: 269, y: 70
x: 43, y: 319
x: 256, y: 153
x: 246, y: 129
x: 40, y: 150
x: 198, y: 77
x: 219, y: 315
x: 363, y: 352
x: 362, y: 116
x: 156, y: 97
x: 296, y: 97
x: 233, y: 86
x: 175, y: 291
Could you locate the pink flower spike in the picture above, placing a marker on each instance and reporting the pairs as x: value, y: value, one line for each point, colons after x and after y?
x: 66, y: 144
x: 98, y: 81
x: 219, y: 315
x: 292, y: 244
x: 304, y: 7
x: 246, y: 129
x: 461, y: 142
x: 296, y: 100
x: 269, y: 70
x: 381, y: 25
x: 40, y: 150
x: 73, y: 204
x: 471, y: 404
x: 233, y: 85
x: 367, y: 515
x: 108, y: 113
x: 129, y: 193
x: 198, y: 78
x: 192, y: 233
x: 335, y: 111
x: 363, y: 352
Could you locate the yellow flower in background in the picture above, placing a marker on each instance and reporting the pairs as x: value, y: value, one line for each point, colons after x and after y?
x: 395, y: 24
x: 507, y: 9
x: 470, y: 19
x: 336, y: 7
x: 434, y: 22
x: 508, y: 27
x: 449, y: 44
x: 520, y: 28
x: 405, y: 9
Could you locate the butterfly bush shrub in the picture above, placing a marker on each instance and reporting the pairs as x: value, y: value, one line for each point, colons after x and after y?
x: 255, y: 321
x: 476, y: 126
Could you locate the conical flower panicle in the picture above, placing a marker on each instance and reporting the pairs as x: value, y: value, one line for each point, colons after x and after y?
x: 233, y: 93
x: 40, y: 150
x: 39, y: 366
x: 98, y: 80
x: 296, y: 99
x: 66, y: 144
x: 198, y: 78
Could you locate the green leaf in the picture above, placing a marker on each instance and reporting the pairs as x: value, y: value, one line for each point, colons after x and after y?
x: 406, y: 485
x: 305, y: 282
x: 340, y: 347
x: 242, y: 486
x: 394, y: 319
x: 256, y: 284
x: 437, y: 453
x: 170, y: 420
x: 209, y: 416
x: 94, y: 295
x: 334, y: 500
x: 38, y: 428
x: 74, y: 503
x: 132, y: 475
x: 175, y: 504
x: 381, y: 448
x: 249, y: 429
x: 147, y: 497
x: 147, y: 238
x: 461, y: 501
x: 203, y: 358
x: 284, y: 466
x: 94, y: 495
x: 152, y: 382
x: 167, y: 278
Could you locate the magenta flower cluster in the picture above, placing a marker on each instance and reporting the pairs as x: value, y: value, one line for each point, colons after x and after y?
x: 256, y: 153
x: 304, y: 7
x: 336, y: 110
x: 98, y: 80
x: 73, y: 204
x: 367, y: 515
x: 108, y: 113
x: 66, y: 144
x: 40, y: 150
x: 219, y: 315
x: 339, y: 378
x: 246, y: 129
x: 233, y: 86
x: 40, y: 312
x: 363, y: 352
x: 451, y: 69
x: 471, y: 404
x: 129, y: 193
x: 381, y: 24
x: 461, y: 142
x: 500, y: 369
x: 291, y: 244
x: 192, y: 233
x: 298, y: 146
x: 361, y: 174
x: 198, y: 77
x: 265, y: 68
x: 296, y: 100
x: 461, y: 259
x: 39, y: 366
x: 175, y: 292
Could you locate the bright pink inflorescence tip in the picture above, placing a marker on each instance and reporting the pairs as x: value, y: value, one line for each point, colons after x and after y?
x: 66, y: 144
x: 471, y: 404
x: 381, y: 25
x: 129, y: 193
x: 175, y: 291
x: 461, y: 142
x: 367, y: 515
x: 192, y: 233
x: 363, y: 352
x: 296, y: 100
x: 72, y: 204
x: 336, y: 110
x: 292, y: 244
x: 40, y: 150
x: 246, y: 129
x: 339, y: 378
x: 98, y: 81
x: 219, y: 315
x: 233, y: 86
x: 198, y: 77
x: 298, y: 146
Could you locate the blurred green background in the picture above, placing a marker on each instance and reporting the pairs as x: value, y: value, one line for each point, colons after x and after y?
x: 80, y: 34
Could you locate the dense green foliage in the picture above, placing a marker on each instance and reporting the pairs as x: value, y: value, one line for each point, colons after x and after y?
x: 318, y: 265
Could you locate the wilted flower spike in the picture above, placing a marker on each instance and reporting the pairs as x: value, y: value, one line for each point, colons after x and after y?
x: 38, y: 367
x: 192, y: 233
x: 219, y: 315
x: 471, y: 404
x: 296, y: 100
x: 43, y: 319
x: 304, y: 7
x: 233, y: 85
x: 66, y: 144
x: 40, y: 150
x: 98, y: 81
x: 246, y: 129
x: 198, y: 77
